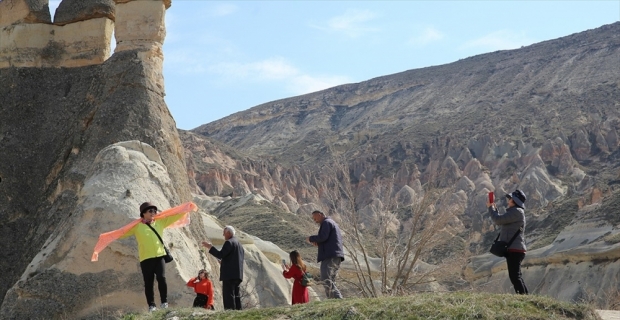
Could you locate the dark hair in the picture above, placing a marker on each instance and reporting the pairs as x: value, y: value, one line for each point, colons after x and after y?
x: 319, y: 212
x: 296, y: 260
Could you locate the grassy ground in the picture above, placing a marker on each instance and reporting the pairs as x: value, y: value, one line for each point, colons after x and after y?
x: 458, y: 305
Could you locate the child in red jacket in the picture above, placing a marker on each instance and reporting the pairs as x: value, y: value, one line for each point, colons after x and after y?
x: 204, y: 290
x: 296, y: 271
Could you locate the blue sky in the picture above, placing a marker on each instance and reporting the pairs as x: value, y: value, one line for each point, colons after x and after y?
x: 222, y: 57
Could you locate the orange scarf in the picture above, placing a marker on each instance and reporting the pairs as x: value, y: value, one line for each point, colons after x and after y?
x: 106, y: 238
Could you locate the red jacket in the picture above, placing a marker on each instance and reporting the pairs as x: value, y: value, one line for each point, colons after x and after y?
x: 204, y: 287
x: 300, y: 293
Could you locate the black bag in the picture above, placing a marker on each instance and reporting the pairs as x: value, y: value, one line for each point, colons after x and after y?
x: 500, y: 248
x: 200, y: 301
x: 168, y: 257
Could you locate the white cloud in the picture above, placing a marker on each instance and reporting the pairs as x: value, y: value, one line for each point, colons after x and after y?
x: 427, y: 36
x: 352, y: 23
x: 223, y: 10
x: 499, y: 40
x: 302, y: 84
x: 270, y: 69
x: 274, y: 70
x: 185, y: 61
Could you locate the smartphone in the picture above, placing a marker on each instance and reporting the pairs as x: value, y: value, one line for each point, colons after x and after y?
x: 283, y: 262
x: 491, y: 197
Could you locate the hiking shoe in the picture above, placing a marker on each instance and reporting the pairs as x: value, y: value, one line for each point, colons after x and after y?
x: 164, y: 305
x: 152, y: 308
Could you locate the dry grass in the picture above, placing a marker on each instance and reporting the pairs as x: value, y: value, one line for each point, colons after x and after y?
x: 457, y: 305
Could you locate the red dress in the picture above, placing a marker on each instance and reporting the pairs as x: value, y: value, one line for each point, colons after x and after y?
x: 300, y: 293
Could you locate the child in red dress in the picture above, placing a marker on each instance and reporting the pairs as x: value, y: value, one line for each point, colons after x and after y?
x: 204, y: 290
x: 296, y: 271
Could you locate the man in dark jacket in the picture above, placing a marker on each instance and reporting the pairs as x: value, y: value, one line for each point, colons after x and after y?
x: 231, y: 268
x: 331, y: 252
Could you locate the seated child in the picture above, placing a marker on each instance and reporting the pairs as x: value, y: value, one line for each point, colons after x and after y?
x: 204, y: 290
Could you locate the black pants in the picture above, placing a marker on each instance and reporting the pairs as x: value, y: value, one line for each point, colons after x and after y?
x: 513, y: 260
x: 200, y: 301
x: 230, y: 294
x: 151, y: 268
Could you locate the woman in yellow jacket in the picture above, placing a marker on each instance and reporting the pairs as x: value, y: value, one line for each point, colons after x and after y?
x: 151, y: 252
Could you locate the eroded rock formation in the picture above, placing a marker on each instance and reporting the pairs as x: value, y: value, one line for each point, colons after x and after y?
x: 86, y: 138
x: 543, y: 118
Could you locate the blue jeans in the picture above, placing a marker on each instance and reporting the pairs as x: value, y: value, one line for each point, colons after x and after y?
x: 329, y: 270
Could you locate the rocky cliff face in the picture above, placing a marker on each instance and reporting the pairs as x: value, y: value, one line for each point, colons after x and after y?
x: 543, y: 118
x: 85, y: 139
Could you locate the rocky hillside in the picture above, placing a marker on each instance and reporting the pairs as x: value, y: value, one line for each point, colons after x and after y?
x: 543, y: 118
x: 86, y: 138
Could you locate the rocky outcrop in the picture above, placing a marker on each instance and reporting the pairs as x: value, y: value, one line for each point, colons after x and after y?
x: 81, y: 32
x: 70, y: 11
x: 55, y: 121
x: 24, y: 11
x: 61, y: 279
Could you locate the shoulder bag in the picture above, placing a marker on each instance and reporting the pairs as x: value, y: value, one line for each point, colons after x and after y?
x: 168, y: 257
x: 500, y: 248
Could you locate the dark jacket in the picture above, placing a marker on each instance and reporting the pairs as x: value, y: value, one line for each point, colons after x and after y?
x: 509, y: 223
x: 231, y: 255
x: 329, y: 240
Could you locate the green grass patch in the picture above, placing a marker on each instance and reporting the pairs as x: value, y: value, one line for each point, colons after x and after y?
x: 456, y: 305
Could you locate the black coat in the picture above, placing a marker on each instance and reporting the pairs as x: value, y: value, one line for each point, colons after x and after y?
x: 231, y: 255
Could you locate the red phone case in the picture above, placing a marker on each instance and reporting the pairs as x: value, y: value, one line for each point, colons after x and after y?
x: 491, y: 197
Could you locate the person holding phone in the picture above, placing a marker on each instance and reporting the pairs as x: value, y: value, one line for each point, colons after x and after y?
x: 203, y: 287
x: 512, y: 223
x: 296, y: 271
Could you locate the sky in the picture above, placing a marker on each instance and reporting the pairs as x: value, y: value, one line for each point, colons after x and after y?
x: 222, y: 57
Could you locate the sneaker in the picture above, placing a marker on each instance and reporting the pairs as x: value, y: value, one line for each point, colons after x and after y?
x: 164, y: 305
x: 152, y: 308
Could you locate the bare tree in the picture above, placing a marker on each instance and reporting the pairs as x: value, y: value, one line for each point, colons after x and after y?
x: 398, y: 245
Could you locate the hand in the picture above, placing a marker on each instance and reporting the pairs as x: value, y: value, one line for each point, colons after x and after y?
x: 207, y: 245
x: 489, y: 204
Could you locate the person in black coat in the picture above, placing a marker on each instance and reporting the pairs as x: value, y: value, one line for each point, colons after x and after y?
x: 231, y: 268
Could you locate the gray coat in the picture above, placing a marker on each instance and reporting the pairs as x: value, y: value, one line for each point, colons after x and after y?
x: 509, y: 223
